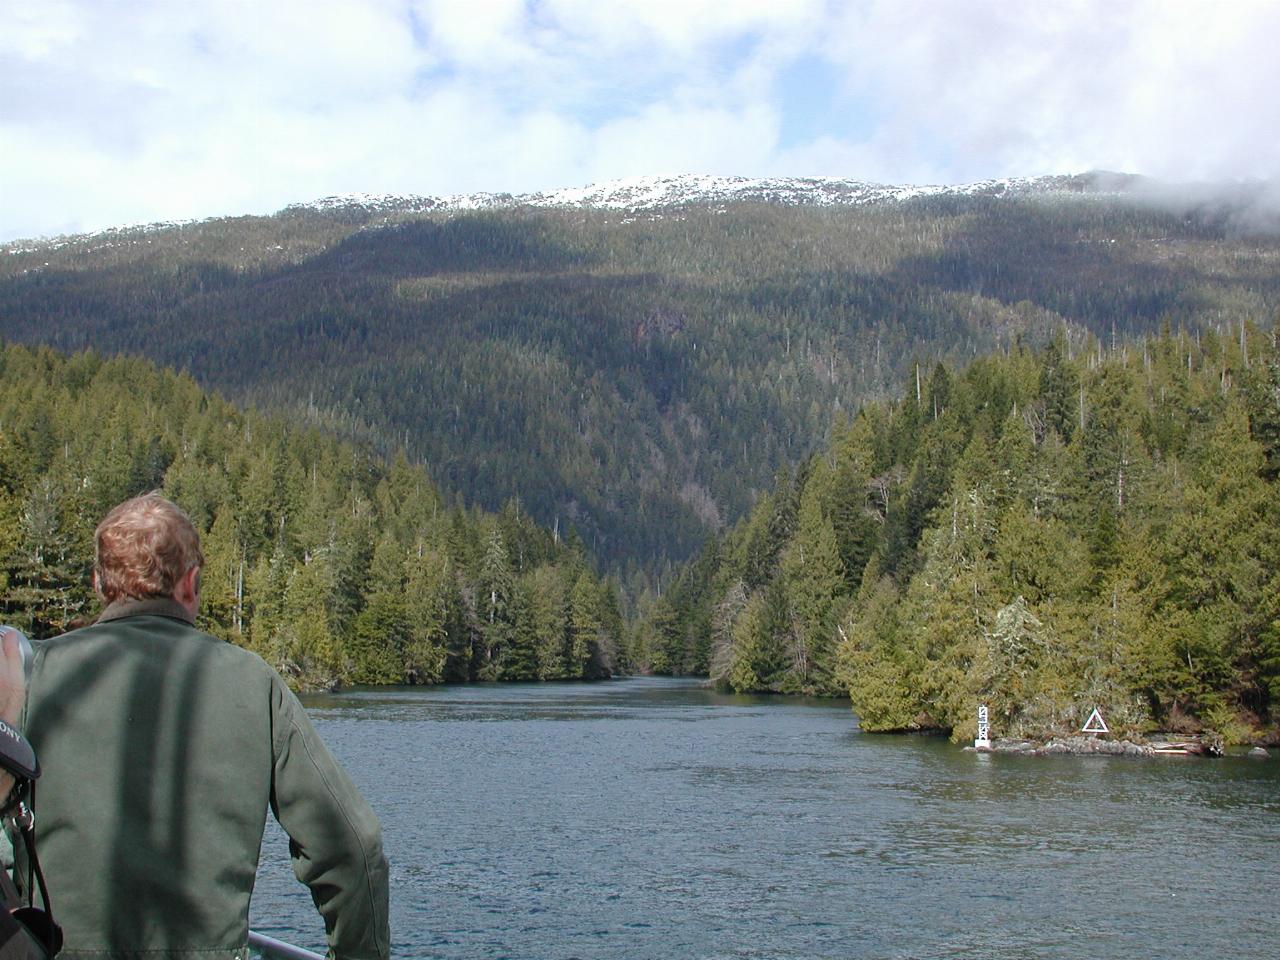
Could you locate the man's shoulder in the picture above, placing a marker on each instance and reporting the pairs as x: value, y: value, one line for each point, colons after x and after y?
x: 166, y: 630
x: 108, y: 663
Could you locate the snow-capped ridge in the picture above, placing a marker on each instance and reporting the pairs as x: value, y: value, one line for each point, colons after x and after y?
x: 653, y: 192
x: 634, y: 194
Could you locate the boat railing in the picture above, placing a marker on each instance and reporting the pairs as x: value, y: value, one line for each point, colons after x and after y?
x: 269, y: 948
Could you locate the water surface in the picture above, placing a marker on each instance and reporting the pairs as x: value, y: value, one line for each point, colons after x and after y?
x: 652, y: 818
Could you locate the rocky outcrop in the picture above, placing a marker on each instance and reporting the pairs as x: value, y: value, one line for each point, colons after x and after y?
x: 1070, y: 745
x: 1110, y: 748
x: 1207, y: 746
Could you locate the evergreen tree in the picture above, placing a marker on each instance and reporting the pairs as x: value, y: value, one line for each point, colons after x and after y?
x: 434, y: 612
x: 520, y: 660
x: 548, y: 604
x: 814, y: 577
x: 496, y: 584
x: 748, y: 637
x: 381, y: 632
x: 584, y: 627
x: 852, y: 517
x: 1059, y: 388
x: 724, y: 632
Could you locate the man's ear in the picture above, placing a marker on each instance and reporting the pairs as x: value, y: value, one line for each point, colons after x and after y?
x: 188, y: 587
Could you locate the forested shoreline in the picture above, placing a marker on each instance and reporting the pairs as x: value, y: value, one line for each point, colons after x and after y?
x: 1046, y: 531
x: 333, y: 564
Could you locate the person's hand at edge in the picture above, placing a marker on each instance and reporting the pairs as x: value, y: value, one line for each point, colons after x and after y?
x: 13, y: 691
x: 13, y: 682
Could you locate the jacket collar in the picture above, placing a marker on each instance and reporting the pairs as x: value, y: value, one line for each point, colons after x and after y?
x: 151, y: 606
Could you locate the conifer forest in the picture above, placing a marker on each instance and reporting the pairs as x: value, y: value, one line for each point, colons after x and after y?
x: 914, y: 454
x: 1046, y: 531
x: 336, y: 566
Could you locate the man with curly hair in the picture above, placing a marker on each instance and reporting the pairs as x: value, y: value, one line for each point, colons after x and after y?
x: 162, y: 749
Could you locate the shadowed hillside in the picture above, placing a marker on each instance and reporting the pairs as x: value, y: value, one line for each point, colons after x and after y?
x: 639, y: 376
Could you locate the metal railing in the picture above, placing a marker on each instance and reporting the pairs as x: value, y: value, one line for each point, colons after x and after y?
x: 269, y: 948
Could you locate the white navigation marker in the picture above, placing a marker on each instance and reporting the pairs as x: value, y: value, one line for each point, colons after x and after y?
x: 1095, y: 723
x: 984, y: 729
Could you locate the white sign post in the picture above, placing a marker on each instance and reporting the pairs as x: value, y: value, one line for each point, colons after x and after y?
x: 984, y: 729
x: 1095, y: 724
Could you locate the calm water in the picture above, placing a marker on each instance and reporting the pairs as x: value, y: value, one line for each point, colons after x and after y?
x: 653, y: 819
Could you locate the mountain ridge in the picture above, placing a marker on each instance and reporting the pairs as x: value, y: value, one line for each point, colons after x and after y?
x: 639, y: 377
x: 655, y: 192
x: 645, y: 193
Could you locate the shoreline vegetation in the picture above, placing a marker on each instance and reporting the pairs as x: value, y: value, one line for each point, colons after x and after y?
x: 948, y: 452
x: 337, y: 566
x: 1048, y: 532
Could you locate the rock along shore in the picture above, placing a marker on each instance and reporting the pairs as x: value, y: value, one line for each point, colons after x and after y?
x: 1202, y: 746
x: 1069, y: 745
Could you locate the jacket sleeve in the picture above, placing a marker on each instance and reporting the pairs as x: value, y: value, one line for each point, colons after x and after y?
x: 334, y: 836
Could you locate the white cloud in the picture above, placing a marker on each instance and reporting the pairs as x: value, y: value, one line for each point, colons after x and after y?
x: 153, y: 109
x: 493, y: 34
x: 672, y: 139
x: 36, y: 30
x: 1167, y: 87
x: 683, y: 27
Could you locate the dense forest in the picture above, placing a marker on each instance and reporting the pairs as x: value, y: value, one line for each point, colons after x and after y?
x: 640, y: 376
x: 334, y: 564
x: 1045, y: 531
x: 1072, y: 504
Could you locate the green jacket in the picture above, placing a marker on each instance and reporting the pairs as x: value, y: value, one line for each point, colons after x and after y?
x: 161, y: 749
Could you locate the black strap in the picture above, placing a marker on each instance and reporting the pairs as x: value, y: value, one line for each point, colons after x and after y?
x: 28, y: 830
x: 38, y: 921
x: 18, y: 939
x: 26, y: 932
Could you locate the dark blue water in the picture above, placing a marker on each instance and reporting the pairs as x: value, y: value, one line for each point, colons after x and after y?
x: 651, y: 818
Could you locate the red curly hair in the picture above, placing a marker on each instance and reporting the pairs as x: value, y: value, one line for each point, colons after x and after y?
x: 143, y: 547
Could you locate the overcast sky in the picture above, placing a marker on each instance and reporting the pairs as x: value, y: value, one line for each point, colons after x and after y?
x: 125, y: 111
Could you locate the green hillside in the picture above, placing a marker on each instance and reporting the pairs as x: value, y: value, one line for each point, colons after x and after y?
x: 335, y: 565
x: 1046, y: 532
x: 638, y: 378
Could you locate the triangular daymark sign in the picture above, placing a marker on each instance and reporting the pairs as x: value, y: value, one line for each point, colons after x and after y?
x: 1095, y: 723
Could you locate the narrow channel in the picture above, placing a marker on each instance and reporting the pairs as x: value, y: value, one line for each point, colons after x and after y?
x: 655, y: 818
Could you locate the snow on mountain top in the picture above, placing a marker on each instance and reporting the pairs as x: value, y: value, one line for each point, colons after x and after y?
x: 639, y: 194
x: 648, y: 193
x: 126, y: 233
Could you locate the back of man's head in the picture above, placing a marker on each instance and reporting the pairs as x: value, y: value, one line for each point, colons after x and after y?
x: 143, y: 547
